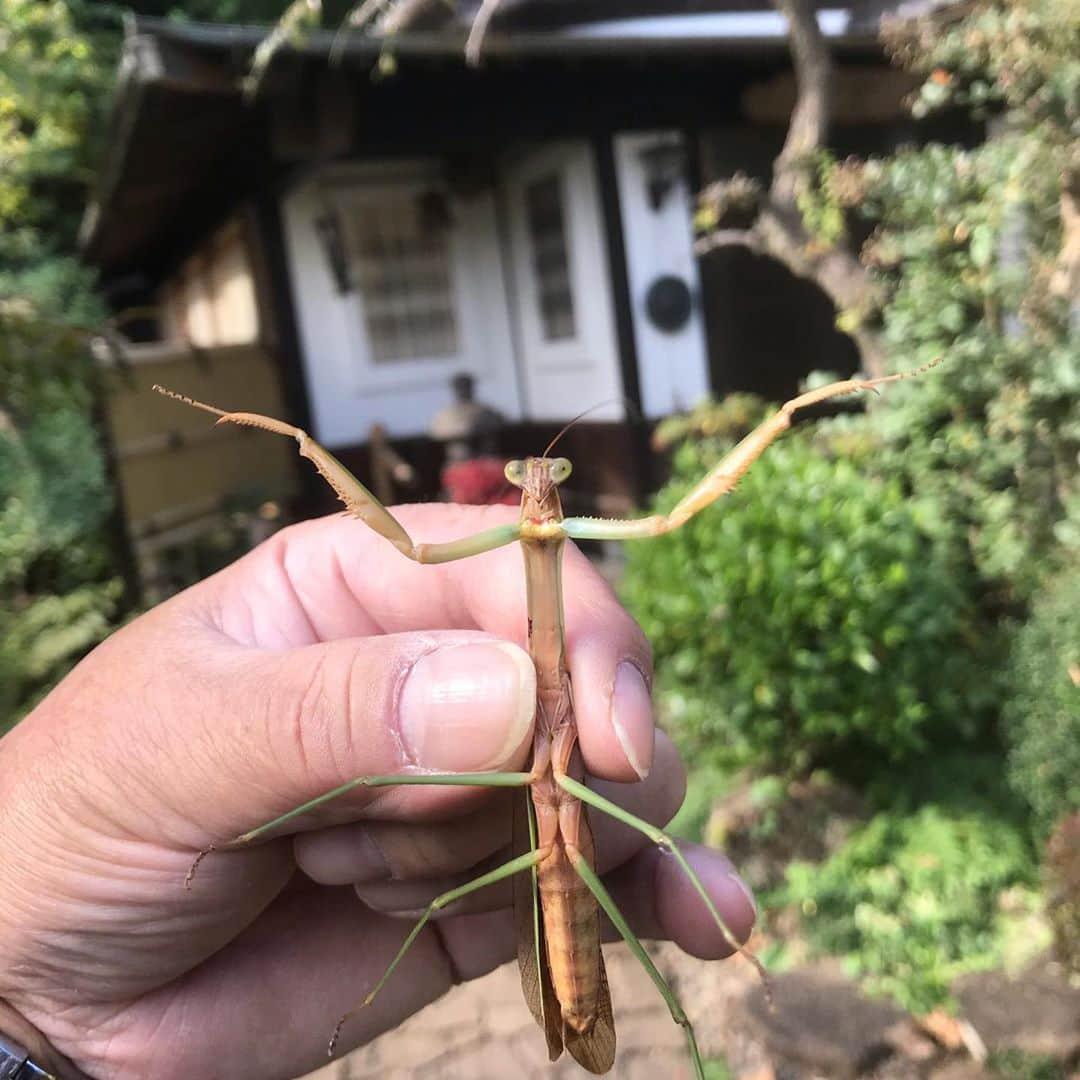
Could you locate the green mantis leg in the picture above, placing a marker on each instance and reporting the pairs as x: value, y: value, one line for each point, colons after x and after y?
x: 603, y: 897
x: 357, y: 499
x: 724, y: 476
x: 523, y: 862
x: 658, y: 836
x: 513, y: 779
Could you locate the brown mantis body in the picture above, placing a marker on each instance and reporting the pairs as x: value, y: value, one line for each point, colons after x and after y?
x: 558, y: 895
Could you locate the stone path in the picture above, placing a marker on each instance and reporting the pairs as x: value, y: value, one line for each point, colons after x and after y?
x: 822, y: 1028
x: 484, y: 1031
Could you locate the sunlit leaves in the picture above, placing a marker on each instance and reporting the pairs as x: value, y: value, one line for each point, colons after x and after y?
x: 911, y: 901
x: 818, y: 609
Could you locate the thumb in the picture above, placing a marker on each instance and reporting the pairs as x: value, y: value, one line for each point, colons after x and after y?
x: 169, y: 738
x: 211, y: 739
x: 308, y: 720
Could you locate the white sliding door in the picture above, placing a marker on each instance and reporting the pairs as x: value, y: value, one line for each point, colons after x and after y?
x: 399, y: 285
x: 557, y: 253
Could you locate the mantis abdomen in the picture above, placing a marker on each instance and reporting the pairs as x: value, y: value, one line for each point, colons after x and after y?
x: 572, y: 932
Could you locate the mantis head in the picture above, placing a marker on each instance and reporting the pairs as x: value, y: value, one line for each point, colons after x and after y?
x: 539, y: 478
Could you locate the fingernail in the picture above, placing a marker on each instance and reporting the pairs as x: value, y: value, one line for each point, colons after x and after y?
x: 632, y: 717
x: 466, y: 708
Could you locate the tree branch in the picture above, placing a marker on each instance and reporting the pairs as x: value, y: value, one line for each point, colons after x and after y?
x: 478, y: 30
x: 808, y: 127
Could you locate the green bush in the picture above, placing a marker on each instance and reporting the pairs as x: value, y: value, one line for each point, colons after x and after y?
x: 913, y: 900
x: 1042, y: 709
x: 818, y: 613
x: 993, y: 437
x: 973, y: 260
x: 58, y: 589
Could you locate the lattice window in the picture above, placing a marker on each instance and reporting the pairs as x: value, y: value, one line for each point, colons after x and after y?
x: 550, y: 257
x: 401, y: 265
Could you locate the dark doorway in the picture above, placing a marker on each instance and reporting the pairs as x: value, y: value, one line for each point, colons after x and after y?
x: 766, y: 328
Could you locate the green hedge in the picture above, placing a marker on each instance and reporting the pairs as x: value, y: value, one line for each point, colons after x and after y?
x: 819, y: 612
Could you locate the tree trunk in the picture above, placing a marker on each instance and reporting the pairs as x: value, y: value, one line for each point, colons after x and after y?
x: 779, y: 230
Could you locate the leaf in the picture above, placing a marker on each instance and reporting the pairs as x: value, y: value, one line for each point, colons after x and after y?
x: 982, y: 245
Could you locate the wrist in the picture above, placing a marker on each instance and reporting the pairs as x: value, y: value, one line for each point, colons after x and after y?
x: 19, y: 1036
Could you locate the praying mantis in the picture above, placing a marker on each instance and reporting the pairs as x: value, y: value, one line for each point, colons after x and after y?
x: 558, y: 895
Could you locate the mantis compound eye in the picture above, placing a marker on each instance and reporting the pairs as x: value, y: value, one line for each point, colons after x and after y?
x: 515, y: 472
x: 560, y: 469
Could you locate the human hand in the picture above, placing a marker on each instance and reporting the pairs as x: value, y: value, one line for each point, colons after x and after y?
x: 320, y: 656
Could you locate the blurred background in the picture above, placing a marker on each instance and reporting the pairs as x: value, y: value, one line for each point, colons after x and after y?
x: 432, y: 234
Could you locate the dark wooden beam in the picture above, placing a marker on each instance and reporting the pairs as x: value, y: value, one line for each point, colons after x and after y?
x: 279, y: 325
x: 623, y: 302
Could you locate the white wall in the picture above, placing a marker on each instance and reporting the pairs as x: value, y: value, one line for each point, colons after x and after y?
x: 673, y: 367
x: 347, y: 391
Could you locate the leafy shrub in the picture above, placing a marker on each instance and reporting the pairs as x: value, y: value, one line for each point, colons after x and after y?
x: 59, y: 594
x: 966, y: 243
x: 818, y: 612
x: 975, y: 258
x: 915, y: 899
x: 1043, y: 705
x: 58, y: 590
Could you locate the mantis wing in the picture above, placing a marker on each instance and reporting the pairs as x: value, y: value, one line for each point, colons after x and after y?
x: 532, y: 948
x: 595, y: 1050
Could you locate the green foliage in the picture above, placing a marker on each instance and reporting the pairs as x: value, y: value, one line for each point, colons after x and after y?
x: 972, y: 263
x: 224, y: 11
x: 58, y: 590
x: 966, y: 478
x: 53, y: 82
x: 1042, y: 709
x: 913, y: 900
x: 993, y: 439
x: 969, y: 246
x: 730, y: 418
x: 822, y: 199
x: 820, y: 612
x: 1015, y: 1064
x: 1021, y: 56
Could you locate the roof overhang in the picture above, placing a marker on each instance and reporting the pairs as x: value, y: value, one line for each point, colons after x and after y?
x: 184, y: 144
